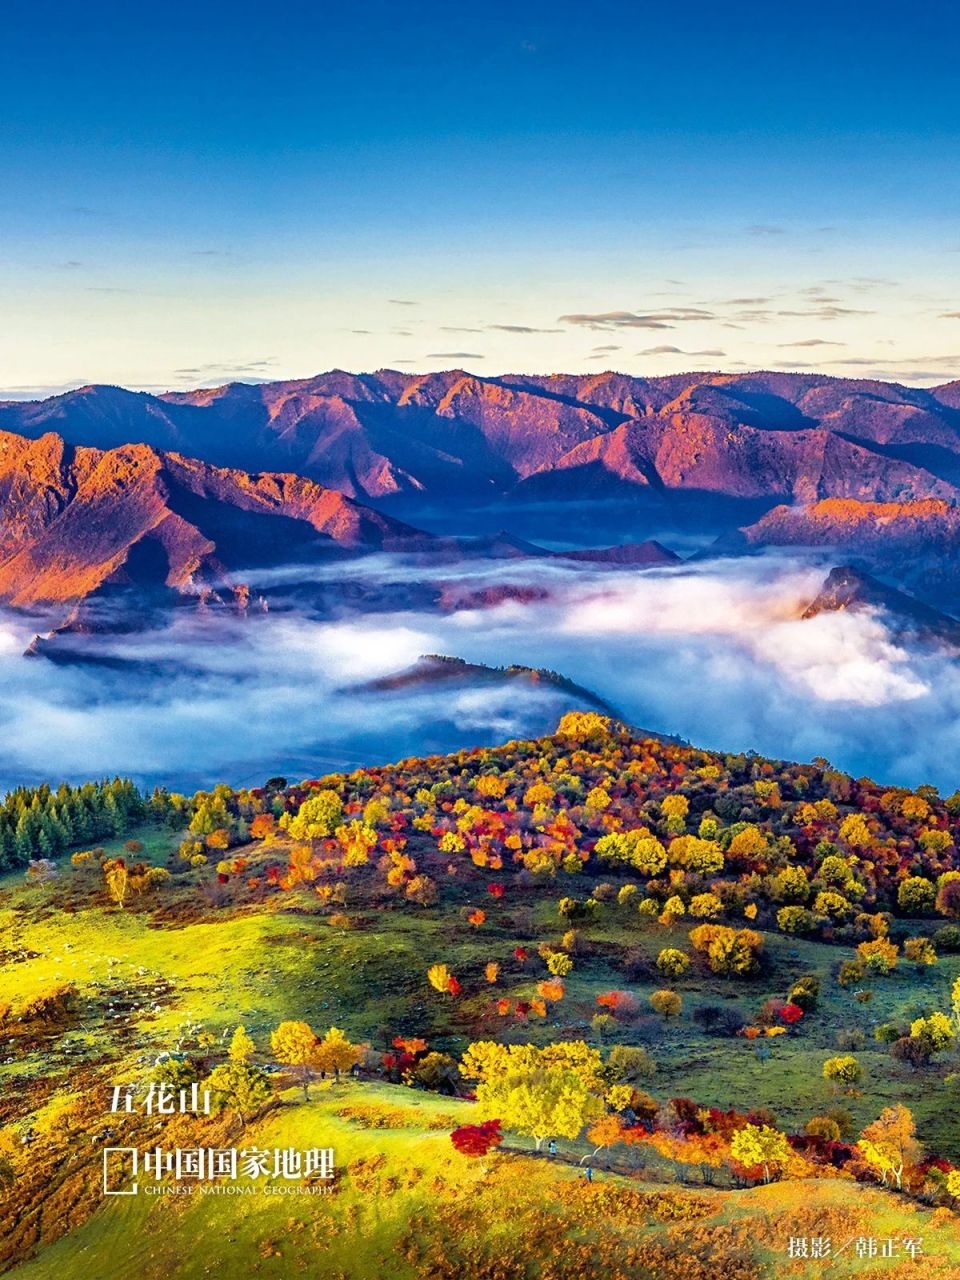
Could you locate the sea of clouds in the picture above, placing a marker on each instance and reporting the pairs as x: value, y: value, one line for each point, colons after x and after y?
x: 713, y: 651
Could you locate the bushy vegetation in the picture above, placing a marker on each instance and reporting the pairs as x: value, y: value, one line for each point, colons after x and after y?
x: 669, y: 963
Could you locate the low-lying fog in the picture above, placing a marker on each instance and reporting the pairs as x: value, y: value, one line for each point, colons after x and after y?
x: 713, y: 652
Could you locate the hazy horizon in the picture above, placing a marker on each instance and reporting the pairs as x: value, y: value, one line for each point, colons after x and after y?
x: 487, y: 374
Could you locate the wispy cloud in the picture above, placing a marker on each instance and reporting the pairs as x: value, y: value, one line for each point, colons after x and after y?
x: 812, y: 342
x: 678, y: 351
x: 612, y: 320
x: 521, y: 328
x: 228, y: 369
x: 827, y: 311
x: 454, y: 355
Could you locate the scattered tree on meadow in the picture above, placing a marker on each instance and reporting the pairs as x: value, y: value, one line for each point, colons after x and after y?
x: 889, y: 1144
x: 728, y: 951
x: 335, y: 1053
x: 604, y: 1132
x: 760, y: 1146
x: 631, y: 1063
x: 243, y: 1088
x: 672, y: 963
x: 667, y: 1003
x: 294, y: 1044
x: 543, y: 1093
x: 117, y: 879
x: 843, y: 1070
x: 477, y: 1140
x: 316, y: 819
x: 242, y: 1047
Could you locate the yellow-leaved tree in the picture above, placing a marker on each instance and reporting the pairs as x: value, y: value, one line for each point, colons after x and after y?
x: 760, y: 1145
x: 294, y: 1044
x: 438, y: 975
x: 242, y: 1047
x: 318, y: 817
x: 889, y: 1144
x: 541, y: 1093
x: 335, y: 1053
x: 356, y: 840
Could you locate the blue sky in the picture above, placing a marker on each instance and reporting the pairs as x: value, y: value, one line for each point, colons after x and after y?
x: 194, y: 193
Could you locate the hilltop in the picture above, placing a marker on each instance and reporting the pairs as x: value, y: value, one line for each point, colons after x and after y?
x: 718, y: 943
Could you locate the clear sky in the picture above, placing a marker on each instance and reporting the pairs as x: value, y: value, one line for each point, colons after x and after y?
x: 193, y: 193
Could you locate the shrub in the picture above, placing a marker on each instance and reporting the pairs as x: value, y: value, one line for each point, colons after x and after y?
x: 728, y: 951
x: 850, y: 971
x: 824, y: 1127
x: 176, y: 1070
x: 887, y: 1033
x: 912, y: 1050
x: 937, y: 1030
x: 623, y: 1004
x: 805, y: 992
x: 705, y: 906
x: 916, y: 895
x: 845, y: 1070
x: 879, y: 955
x: 630, y: 1063
x: 667, y: 1003
x: 559, y: 964
x: 437, y: 1072
x: 832, y: 905
x: 850, y: 1038
x: 717, y: 1020
x: 796, y: 920
x: 637, y: 848
x: 947, y: 938
x: 52, y: 1004
x: 919, y: 951
x: 636, y: 966
x: 672, y: 963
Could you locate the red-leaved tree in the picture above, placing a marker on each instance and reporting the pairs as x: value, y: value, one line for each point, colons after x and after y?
x: 477, y: 1140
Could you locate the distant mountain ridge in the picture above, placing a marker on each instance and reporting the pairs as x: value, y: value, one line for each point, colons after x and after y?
x: 437, y: 440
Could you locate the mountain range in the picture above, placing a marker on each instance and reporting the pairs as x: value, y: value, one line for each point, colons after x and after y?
x: 436, y: 439
x: 103, y: 486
